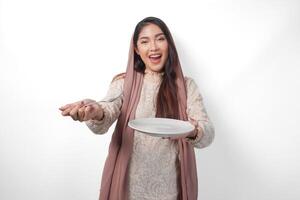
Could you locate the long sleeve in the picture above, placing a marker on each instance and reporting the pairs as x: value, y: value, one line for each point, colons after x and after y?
x: 197, y: 111
x: 111, y: 109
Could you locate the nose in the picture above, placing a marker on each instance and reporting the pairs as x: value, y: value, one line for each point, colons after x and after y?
x: 153, y: 46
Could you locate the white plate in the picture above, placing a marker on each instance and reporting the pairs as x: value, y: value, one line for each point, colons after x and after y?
x: 161, y: 127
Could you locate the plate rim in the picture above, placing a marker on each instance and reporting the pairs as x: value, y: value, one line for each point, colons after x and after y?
x: 157, y: 133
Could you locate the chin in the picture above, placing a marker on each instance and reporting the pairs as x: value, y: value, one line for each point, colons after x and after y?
x: 156, y: 68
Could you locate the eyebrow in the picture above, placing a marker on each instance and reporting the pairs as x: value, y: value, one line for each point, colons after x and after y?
x: 145, y: 37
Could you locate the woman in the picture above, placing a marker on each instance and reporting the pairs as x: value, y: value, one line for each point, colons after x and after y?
x: 140, y: 166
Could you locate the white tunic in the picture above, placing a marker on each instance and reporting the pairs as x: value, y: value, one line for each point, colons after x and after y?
x: 153, y: 166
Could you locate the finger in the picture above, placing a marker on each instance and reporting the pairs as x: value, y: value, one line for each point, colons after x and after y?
x: 81, y: 105
x: 69, y: 107
x: 67, y: 111
x: 85, y: 112
x: 194, y: 122
x: 62, y: 108
x: 75, y: 116
x: 74, y: 112
x: 88, y: 113
x: 81, y: 113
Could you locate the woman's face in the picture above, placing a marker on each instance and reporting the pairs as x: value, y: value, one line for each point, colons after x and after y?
x: 152, y: 46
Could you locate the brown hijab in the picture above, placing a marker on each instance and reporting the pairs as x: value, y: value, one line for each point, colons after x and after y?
x: 114, y: 184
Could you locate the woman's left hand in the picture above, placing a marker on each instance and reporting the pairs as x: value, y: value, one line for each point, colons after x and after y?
x: 191, y: 134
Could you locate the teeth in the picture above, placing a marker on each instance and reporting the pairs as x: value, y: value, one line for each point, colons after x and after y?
x: 154, y: 56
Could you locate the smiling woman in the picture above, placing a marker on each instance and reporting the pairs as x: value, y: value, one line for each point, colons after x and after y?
x: 155, y: 51
x: 152, y: 47
x: 140, y: 166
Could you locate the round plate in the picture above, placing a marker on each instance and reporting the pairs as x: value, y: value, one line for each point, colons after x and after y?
x: 161, y: 127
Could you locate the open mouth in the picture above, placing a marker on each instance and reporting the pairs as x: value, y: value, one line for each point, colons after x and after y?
x: 155, y: 58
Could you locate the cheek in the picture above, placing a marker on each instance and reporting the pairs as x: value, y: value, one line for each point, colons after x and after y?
x: 166, y: 52
x: 143, y: 50
x: 142, y: 53
x: 165, y: 48
x: 144, y: 57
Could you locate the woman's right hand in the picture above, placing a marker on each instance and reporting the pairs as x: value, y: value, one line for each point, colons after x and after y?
x: 83, y: 110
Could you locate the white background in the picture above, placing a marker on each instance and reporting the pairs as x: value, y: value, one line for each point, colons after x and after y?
x: 244, y: 56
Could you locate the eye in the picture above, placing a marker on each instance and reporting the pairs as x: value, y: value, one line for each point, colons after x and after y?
x: 143, y: 42
x: 161, y: 39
